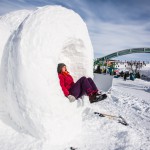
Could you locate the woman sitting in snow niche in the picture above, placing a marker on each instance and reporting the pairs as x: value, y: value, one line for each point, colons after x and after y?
x: 84, y: 86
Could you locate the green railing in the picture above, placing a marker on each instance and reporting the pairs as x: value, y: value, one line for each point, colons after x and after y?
x: 120, y: 53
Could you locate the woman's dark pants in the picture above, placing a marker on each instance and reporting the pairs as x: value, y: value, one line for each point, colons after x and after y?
x: 83, y: 86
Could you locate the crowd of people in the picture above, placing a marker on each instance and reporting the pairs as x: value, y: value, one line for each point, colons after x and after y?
x: 124, y: 74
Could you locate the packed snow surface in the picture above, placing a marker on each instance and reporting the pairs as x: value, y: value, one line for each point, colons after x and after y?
x: 99, y: 133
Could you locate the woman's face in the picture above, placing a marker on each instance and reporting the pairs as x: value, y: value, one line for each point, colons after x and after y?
x: 64, y: 69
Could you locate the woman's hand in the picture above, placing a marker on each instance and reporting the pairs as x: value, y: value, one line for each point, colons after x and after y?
x: 71, y: 98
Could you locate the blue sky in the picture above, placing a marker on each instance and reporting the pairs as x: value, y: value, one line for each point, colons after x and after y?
x: 113, y: 24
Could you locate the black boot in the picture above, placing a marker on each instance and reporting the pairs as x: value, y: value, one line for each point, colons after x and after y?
x: 101, y: 97
x: 97, y: 97
x: 92, y: 98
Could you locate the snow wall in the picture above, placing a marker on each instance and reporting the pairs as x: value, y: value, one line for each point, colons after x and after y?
x: 29, y: 82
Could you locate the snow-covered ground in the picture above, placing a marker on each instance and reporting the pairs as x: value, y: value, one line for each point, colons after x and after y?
x: 130, y: 99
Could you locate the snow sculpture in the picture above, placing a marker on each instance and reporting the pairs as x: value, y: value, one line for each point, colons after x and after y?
x: 31, y: 90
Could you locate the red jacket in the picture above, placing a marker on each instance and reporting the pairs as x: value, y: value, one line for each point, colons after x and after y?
x: 66, y: 81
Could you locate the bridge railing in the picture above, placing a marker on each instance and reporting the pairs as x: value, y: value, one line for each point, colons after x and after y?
x: 122, y: 52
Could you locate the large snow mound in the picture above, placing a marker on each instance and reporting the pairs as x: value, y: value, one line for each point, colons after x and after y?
x: 29, y: 82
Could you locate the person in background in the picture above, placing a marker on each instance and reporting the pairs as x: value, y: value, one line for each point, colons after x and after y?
x: 98, y: 70
x: 125, y: 76
x: 132, y: 76
x: 84, y: 86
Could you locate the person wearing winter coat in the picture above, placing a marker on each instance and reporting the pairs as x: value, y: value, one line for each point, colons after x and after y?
x: 132, y: 77
x: 84, y: 86
x: 98, y: 70
x: 125, y: 76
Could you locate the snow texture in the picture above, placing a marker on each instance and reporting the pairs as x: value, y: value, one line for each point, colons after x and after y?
x: 30, y: 89
x: 14, y: 19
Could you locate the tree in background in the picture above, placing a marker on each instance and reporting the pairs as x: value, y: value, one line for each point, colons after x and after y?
x: 135, y: 66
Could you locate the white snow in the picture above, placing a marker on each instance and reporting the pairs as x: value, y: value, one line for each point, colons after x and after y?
x: 99, y: 133
x: 30, y: 87
x: 145, y: 70
x: 14, y: 19
x: 35, y: 115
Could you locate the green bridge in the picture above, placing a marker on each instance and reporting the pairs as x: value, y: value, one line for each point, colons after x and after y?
x: 120, y: 53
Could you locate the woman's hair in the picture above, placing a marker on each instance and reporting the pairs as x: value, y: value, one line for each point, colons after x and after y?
x: 60, y: 66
